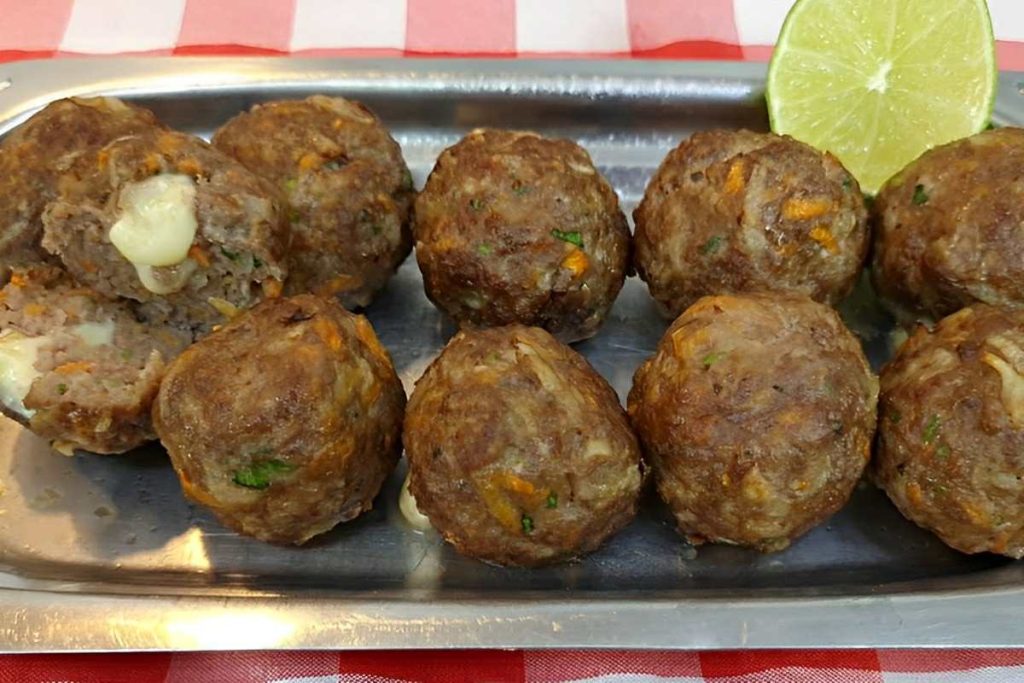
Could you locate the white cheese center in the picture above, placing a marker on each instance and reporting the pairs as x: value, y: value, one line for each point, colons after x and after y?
x: 18, y: 369
x: 158, y: 220
x: 412, y: 514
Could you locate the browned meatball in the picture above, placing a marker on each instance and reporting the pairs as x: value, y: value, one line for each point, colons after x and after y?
x: 516, y: 228
x: 948, y: 227
x: 347, y: 187
x: 757, y: 413
x: 735, y: 211
x: 951, y: 447
x: 37, y: 152
x: 202, y: 235
x: 519, y: 452
x: 284, y: 422
x: 76, y: 368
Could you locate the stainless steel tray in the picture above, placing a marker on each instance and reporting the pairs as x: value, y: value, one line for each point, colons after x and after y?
x: 103, y: 553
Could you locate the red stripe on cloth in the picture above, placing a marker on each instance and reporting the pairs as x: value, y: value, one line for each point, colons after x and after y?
x: 227, y: 50
x: 655, y: 23
x: 947, y: 660
x: 1010, y: 55
x: 692, y: 49
x: 463, y: 26
x: 91, y: 668
x: 348, y: 52
x: 758, y: 53
x: 33, y: 26
x: 253, y: 23
x: 555, y: 666
x: 21, y: 55
x: 250, y: 667
x: 437, y: 666
x: 720, y: 664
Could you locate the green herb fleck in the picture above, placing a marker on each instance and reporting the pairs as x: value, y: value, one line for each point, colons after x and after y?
x: 406, y: 179
x: 847, y: 183
x: 711, y: 246
x: 335, y: 164
x: 376, y: 229
x: 62, y: 389
x: 991, y: 125
x: 126, y: 354
x: 920, y: 196
x: 869, y: 202
x: 484, y: 249
x: 229, y: 254
x: 294, y: 215
x: 291, y: 184
x: 256, y: 262
x: 476, y: 204
x: 931, y: 429
x: 712, y: 358
x: 527, y: 522
x: 942, y: 451
x: 520, y: 190
x: 895, y: 416
x: 259, y: 474
x: 573, y: 237
x: 552, y: 500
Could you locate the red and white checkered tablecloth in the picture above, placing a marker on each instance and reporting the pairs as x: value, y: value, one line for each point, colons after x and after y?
x: 677, y: 29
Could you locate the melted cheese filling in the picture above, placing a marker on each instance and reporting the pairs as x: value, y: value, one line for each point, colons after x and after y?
x: 412, y: 514
x: 17, y: 369
x: 95, y: 334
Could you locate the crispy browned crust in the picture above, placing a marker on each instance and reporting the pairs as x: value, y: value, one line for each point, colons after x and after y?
x: 348, y: 190
x: 508, y: 424
x: 37, y: 152
x: 243, y: 235
x: 756, y: 413
x: 297, y: 380
x: 956, y: 240
x: 484, y: 228
x: 951, y: 438
x: 722, y: 215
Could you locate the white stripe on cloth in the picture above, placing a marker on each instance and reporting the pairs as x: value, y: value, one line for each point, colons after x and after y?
x: 109, y: 26
x: 1002, y: 674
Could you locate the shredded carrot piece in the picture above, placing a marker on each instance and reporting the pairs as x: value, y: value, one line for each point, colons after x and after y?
x: 89, y: 267
x: 189, y: 166
x: 500, y: 507
x: 365, y: 333
x: 153, y: 163
x: 309, y: 161
x: 328, y: 333
x: 735, y: 182
x: 914, y: 493
x: 19, y: 280
x: 576, y: 262
x: 511, y: 482
x: 824, y: 237
x: 271, y: 287
x: 35, y: 309
x: 168, y: 143
x: 341, y: 283
x: 803, y: 209
x: 74, y: 366
x: 337, y: 123
x: 199, y: 255
x: 102, y: 158
x: 975, y: 514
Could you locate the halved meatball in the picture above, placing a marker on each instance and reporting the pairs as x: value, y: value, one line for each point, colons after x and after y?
x: 77, y: 368
x: 731, y: 211
x: 519, y: 452
x: 284, y: 422
x: 951, y: 446
x: 171, y: 223
x: 36, y: 153
x: 513, y: 227
x: 948, y: 227
x: 347, y: 188
x: 757, y: 414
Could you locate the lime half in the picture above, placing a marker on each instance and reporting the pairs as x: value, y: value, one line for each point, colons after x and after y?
x: 878, y: 82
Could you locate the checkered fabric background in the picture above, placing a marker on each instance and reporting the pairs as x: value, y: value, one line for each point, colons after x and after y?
x: 678, y: 29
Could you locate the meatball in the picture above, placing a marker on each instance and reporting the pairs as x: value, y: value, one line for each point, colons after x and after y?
x: 348, y: 190
x: 948, y: 227
x: 76, y: 368
x: 519, y: 452
x: 33, y: 156
x: 757, y: 414
x: 951, y: 446
x: 284, y: 422
x: 170, y: 222
x: 516, y: 228
x: 735, y: 211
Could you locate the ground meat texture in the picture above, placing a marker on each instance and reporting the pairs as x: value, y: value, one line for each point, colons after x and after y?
x: 284, y: 422
x: 516, y: 228
x: 347, y: 186
x: 33, y: 156
x: 519, y: 452
x: 948, y: 227
x: 757, y: 414
x: 77, y: 368
x: 234, y: 248
x: 951, y: 446
x: 735, y: 211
